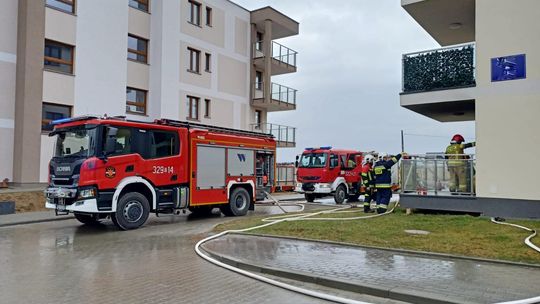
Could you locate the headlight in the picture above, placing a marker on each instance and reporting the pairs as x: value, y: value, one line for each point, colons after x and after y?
x: 299, y: 185
x: 325, y: 186
x: 86, y: 193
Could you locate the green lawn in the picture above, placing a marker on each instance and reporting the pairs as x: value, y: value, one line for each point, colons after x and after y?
x: 455, y: 234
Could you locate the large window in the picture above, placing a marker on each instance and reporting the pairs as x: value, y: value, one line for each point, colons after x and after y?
x: 137, y: 49
x: 193, y: 107
x: 208, y: 16
x: 135, y: 101
x: 207, y: 62
x: 313, y: 160
x: 123, y: 140
x: 58, y: 57
x: 139, y: 4
x: 195, y: 13
x: 52, y: 112
x: 67, y: 6
x: 163, y: 144
x: 194, y: 60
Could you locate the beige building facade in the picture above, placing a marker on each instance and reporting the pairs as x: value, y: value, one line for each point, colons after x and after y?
x: 144, y: 59
x: 505, y: 110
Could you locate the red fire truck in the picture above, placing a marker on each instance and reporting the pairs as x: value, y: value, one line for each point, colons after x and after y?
x: 325, y: 171
x: 127, y: 169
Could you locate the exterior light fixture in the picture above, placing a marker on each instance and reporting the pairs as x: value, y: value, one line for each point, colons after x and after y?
x: 455, y: 26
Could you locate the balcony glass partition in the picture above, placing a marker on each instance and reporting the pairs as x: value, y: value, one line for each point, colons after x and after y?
x: 284, y: 135
x: 445, y: 68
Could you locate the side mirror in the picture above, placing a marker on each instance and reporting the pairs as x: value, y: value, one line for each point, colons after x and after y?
x: 110, y: 141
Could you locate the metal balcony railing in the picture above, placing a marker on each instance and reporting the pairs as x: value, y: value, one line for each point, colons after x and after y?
x: 444, y: 68
x: 280, y: 92
x: 284, y: 135
x: 279, y: 52
x: 435, y: 174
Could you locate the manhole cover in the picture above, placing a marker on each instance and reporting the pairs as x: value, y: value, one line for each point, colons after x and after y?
x: 420, y: 232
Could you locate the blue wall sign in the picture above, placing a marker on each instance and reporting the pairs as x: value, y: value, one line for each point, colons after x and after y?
x: 508, y: 68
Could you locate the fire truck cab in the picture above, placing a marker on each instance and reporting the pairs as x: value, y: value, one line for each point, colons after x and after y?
x: 123, y: 169
x: 325, y: 171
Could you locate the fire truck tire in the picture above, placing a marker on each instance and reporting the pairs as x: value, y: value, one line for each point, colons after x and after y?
x: 309, y: 197
x: 132, y: 211
x: 87, y: 219
x: 239, y: 202
x: 341, y: 194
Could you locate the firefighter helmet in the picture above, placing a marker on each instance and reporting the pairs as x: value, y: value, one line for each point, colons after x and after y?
x: 382, y: 155
x: 369, y: 159
x: 458, y: 138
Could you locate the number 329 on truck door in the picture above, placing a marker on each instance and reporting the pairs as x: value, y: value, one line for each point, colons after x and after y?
x: 162, y: 169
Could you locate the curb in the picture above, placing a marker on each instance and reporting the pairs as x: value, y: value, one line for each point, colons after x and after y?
x: 405, y: 251
x: 393, y: 292
x: 37, y: 221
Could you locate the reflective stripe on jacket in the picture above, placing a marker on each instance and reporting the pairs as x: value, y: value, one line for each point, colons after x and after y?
x: 383, y: 174
x: 454, y: 154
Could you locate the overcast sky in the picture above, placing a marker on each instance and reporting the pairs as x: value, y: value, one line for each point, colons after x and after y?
x: 349, y: 77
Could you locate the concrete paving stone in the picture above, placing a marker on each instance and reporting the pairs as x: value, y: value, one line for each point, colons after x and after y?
x: 460, y: 279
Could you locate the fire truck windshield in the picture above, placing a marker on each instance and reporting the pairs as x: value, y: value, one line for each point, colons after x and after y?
x: 313, y: 160
x: 75, y: 142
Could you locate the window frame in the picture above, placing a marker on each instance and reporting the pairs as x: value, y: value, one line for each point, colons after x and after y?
x: 150, y: 142
x: 258, y: 119
x: 57, y: 60
x: 207, y: 62
x: 197, y: 58
x: 135, y: 103
x: 144, y: 2
x: 194, y: 4
x: 207, y: 108
x: 68, y: 2
x: 191, y: 104
x: 137, y: 52
x: 258, y: 80
x: 48, y: 121
x: 209, y: 16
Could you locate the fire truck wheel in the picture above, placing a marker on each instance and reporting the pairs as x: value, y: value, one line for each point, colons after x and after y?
x: 341, y: 194
x: 238, y: 203
x: 131, y: 212
x: 309, y: 197
x: 88, y: 219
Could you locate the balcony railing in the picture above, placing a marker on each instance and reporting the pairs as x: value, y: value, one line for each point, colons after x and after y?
x: 279, y: 52
x: 434, y: 174
x: 280, y: 92
x: 445, y: 68
x: 284, y: 135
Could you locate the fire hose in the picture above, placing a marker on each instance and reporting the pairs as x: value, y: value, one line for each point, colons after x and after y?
x: 297, y: 216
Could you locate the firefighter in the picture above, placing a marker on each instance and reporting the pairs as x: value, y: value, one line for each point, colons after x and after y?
x: 457, y: 164
x: 383, y: 180
x: 367, y: 181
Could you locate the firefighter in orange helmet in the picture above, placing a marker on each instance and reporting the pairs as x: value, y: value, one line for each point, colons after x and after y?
x: 457, y: 163
x: 368, y: 181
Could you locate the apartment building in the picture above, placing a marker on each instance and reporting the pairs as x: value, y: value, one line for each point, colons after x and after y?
x: 209, y: 62
x: 487, y: 71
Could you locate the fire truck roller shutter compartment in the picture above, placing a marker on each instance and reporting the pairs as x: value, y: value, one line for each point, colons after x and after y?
x: 241, y: 162
x: 210, y: 167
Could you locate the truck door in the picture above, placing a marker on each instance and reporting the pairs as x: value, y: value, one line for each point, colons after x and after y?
x: 162, y: 161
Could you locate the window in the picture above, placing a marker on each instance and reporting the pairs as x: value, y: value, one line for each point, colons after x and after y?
x: 208, y: 62
x: 207, y: 108
x: 58, y: 57
x: 193, y: 107
x: 139, y: 4
x: 259, y: 43
x: 258, y: 80
x: 258, y: 119
x: 137, y: 49
x: 52, y: 112
x: 194, y: 60
x: 208, y: 16
x: 313, y: 160
x: 67, y: 6
x: 195, y: 13
x: 163, y: 144
x: 135, y: 101
x: 123, y: 139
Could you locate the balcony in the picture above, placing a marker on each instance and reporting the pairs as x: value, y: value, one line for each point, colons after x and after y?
x: 441, y: 83
x: 285, y: 136
x: 281, y: 98
x: 282, y: 58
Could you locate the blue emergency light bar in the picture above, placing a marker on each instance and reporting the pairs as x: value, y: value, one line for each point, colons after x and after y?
x: 70, y: 119
x: 319, y: 148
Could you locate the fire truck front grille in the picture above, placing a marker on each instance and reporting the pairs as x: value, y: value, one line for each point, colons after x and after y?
x: 311, y: 178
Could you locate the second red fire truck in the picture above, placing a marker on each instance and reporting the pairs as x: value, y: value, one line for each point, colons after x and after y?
x: 329, y: 172
x: 113, y: 167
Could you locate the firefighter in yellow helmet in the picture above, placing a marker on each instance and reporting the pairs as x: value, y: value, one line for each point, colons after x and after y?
x: 457, y: 163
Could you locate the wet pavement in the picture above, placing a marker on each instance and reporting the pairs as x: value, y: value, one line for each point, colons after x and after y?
x: 66, y: 262
x: 458, y: 280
